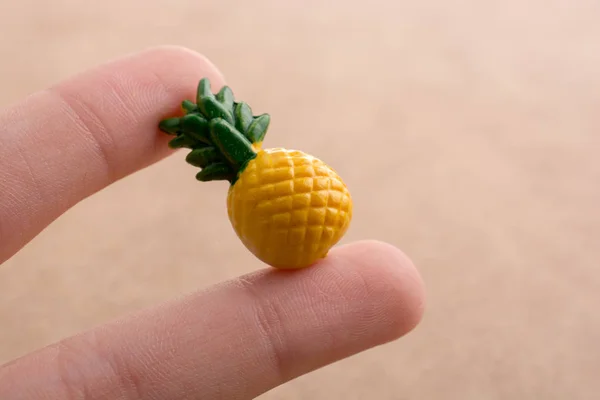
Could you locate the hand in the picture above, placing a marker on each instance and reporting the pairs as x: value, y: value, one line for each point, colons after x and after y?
x: 233, y: 341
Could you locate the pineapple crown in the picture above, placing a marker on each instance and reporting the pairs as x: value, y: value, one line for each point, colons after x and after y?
x: 223, y: 134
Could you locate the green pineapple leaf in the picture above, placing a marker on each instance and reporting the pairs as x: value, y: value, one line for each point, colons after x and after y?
x: 209, y: 105
x: 189, y: 106
x: 214, y: 109
x: 196, y: 126
x: 234, y: 146
x: 203, y: 157
x: 258, y: 128
x: 216, y: 171
x: 243, y: 117
x: 203, y: 92
x: 182, y: 141
x: 225, y: 97
x: 170, y: 125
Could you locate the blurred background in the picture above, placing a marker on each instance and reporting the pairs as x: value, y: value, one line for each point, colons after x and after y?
x: 467, y: 131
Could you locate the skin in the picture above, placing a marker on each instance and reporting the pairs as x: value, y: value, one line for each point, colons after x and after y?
x: 283, y: 325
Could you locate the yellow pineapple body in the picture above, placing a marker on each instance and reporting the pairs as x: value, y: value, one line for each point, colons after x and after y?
x: 289, y: 208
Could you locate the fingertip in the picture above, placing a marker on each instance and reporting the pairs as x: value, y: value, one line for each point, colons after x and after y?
x: 391, y: 279
x: 363, y: 295
x: 121, y: 102
x: 107, y: 117
x: 172, y: 57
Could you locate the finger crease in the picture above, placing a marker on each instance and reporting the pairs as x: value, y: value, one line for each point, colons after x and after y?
x: 74, y: 386
x: 269, y: 324
x: 92, y: 126
x: 36, y: 183
x: 128, y: 380
x: 129, y: 385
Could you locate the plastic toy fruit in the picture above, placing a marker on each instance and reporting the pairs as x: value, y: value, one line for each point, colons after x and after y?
x: 287, y: 207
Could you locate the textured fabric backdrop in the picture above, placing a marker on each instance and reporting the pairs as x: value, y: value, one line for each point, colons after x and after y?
x: 467, y: 132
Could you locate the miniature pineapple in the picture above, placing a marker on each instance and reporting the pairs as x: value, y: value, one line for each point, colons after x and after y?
x: 288, y: 208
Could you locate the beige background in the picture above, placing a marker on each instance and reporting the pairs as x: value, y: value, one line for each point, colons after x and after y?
x: 467, y: 131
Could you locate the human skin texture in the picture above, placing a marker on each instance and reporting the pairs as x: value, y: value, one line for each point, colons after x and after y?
x: 65, y: 143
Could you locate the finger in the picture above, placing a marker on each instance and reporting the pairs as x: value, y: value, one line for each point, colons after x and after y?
x: 65, y: 143
x: 237, y: 340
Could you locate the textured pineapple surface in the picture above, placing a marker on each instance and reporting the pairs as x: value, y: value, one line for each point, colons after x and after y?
x: 289, y: 208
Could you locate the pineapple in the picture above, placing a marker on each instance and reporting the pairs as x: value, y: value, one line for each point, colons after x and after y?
x: 288, y: 208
